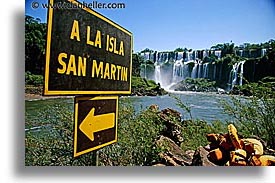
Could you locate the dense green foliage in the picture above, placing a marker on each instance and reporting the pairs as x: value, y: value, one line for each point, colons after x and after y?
x: 138, y: 82
x: 197, y: 84
x: 51, y: 143
x: 263, y: 88
x: 136, y: 62
x: 35, y: 44
x: 194, y: 132
x: 33, y: 79
x: 142, y: 86
x: 136, y: 137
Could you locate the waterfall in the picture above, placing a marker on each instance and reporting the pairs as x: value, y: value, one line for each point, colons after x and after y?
x: 263, y: 52
x: 200, y: 70
x: 194, y: 73
x: 214, y: 72
x: 180, y: 71
x: 188, y: 56
x: 236, y: 74
x: 161, y: 57
x: 205, y: 70
x: 147, y: 56
x: 195, y: 55
x: 157, y: 74
x: 166, y: 57
x: 173, y: 67
x: 218, y: 53
x: 205, y: 54
x: 241, y: 53
x: 179, y: 56
x: 241, y: 72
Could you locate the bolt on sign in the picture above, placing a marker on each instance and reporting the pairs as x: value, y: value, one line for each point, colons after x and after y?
x: 86, y: 52
x: 95, y: 123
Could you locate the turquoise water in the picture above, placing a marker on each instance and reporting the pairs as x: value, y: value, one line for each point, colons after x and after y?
x: 204, y: 106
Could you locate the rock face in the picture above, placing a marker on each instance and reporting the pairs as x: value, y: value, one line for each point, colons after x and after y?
x: 257, y: 69
x: 175, y: 156
x: 172, y: 130
x: 170, y: 142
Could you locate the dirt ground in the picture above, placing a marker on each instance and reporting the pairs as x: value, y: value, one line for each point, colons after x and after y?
x: 29, y: 96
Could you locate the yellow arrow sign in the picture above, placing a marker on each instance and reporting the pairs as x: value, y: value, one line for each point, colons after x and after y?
x: 92, y: 123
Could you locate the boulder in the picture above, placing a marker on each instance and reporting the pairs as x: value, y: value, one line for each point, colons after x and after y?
x: 172, y: 154
x: 172, y: 130
x: 200, y: 158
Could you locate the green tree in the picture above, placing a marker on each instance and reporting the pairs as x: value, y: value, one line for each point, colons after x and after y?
x: 137, y: 60
x: 147, y: 50
x: 179, y: 50
x: 35, y: 42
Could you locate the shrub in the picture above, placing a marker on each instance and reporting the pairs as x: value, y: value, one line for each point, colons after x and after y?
x: 32, y: 79
x: 136, y: 137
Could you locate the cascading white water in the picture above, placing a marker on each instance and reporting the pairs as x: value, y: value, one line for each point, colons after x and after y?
x: 236, y: 73
x: 205, y: 54
x: 241, y: 72
x: 179, y: 56
x: 194, y: 73
x: 218, y: 53
x: 180, y: 71
x: 241, y: 53
x: 147, y: 56
x: 158, y: 74
x: 200, y: 70
x: 189, y: 56
x: 166, y: 57
x: 205, y: 70
x: 263, y: 52
x: 195, y: 54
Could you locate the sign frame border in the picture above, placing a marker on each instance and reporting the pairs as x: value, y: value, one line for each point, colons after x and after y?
x: 76, y: 154
x: 48, y: 49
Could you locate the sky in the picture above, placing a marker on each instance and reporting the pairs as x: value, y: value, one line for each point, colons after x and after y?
x: 196, y: 24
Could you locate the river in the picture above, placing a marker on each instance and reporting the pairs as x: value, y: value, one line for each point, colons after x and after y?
x: 204, y: 106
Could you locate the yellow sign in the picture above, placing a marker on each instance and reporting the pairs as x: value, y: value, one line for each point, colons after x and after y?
x: 95, y: 123
x: 86, y: 53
